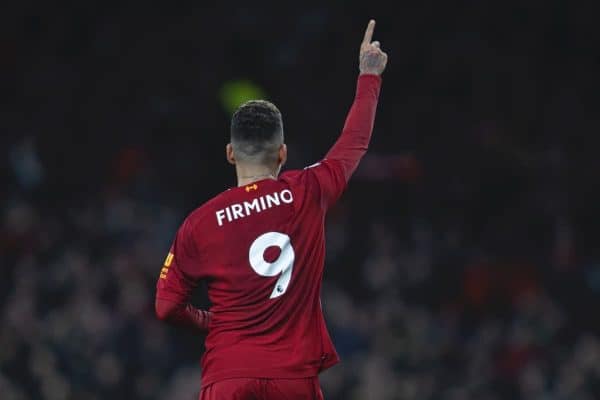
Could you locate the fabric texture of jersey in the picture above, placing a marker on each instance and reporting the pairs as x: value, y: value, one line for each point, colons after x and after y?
x: 261, y: 250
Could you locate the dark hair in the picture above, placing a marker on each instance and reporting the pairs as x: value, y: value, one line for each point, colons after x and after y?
x: 256, y: 131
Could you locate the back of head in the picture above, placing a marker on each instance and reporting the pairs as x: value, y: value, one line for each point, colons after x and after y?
x: 256, y: 132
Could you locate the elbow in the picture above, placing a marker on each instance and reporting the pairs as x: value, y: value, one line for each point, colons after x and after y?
x: 163, y: 309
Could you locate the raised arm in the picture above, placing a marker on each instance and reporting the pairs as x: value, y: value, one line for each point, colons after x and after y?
x: 355, y: 137
x: 331, y: 175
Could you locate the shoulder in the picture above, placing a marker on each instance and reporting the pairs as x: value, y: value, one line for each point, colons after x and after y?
x: 290, y: 175
x: 300, y: 174
x: 295, y: 177
x: 301, y: 181
x: 311, y: 172
x: 324, y: 181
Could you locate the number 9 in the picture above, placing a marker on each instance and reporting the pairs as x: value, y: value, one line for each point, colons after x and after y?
x: 284, y: 264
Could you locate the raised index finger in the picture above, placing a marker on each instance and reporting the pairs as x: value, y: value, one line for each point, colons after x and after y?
x: 369, y: 32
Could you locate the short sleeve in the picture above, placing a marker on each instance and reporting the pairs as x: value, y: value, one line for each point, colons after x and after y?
x: 179, y: 274
x: 330, y: 181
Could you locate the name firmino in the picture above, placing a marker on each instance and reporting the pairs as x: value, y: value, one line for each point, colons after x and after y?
x: 247, y: 208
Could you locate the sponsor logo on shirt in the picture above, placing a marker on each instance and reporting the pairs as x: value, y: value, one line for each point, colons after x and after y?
x: 256, y: 205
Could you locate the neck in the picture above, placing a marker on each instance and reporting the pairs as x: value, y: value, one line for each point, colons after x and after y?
x: 249, y: 174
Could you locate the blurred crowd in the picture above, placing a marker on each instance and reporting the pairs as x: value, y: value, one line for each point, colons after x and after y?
x: 462, y: 263
x: 417, y: 310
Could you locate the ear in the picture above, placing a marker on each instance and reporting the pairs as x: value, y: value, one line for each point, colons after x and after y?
x: 282, y: 154
x: 229, y: 154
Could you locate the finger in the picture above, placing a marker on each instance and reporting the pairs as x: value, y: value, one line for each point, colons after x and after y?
x: 376, y: 44
x: 369, y: 32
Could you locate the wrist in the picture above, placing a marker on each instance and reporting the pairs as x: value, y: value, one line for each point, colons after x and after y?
x: 367, y: 72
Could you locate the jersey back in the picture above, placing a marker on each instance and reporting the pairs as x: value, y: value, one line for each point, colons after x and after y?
x: 261, y: 250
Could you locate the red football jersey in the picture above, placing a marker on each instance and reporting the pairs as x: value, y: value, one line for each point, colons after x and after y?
x: 261, y: 250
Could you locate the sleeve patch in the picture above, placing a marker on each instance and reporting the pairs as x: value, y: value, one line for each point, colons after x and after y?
x: 165, y: 268
x: 169, y: 260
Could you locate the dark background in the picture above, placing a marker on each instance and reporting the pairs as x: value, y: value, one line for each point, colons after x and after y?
x: 463, y: 261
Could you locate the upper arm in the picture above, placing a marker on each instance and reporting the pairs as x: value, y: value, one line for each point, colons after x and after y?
x: 179, y: 274
x: 331, y: 175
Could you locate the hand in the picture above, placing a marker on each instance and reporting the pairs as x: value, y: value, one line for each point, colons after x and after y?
x: 372, y: 60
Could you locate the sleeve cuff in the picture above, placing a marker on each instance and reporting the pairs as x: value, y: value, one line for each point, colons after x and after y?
x: 369, y: 77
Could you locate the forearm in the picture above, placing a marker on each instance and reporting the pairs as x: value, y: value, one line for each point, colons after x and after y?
x: 356, y: 135
x: 183, y: 315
